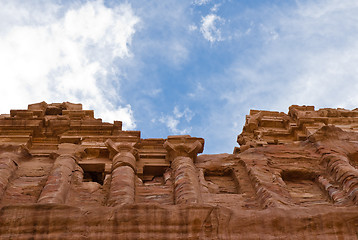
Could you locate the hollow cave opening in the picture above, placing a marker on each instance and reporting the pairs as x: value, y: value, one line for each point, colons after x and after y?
x: 93, y: 172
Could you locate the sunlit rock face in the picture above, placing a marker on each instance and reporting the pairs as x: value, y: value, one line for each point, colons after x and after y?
x: 66, y: 175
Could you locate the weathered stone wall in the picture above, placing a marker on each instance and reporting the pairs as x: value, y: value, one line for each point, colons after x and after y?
x: 64, y: 174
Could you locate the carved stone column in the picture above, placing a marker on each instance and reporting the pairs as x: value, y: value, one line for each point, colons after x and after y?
x: 9, y: 159
x: 182, y: 151
x: 122, y: 190
x: 59, y: 181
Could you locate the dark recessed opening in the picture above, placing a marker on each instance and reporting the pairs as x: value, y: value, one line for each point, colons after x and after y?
x: 353, y: 159
x: 294, y: 175
x: 225, y: 181
x: 52, y: 110
x: 93, y: 177
x: 302, y: 186
x: 93, y: 172
x: 154, y: 173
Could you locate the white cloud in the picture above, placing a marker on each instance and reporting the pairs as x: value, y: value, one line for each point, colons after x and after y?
x: 316, y: 54
x: 303, y: 55
x: 187, y: 113
x: 173, y: 121
x: 319, y: 9
x: 209, y: 29
x: 192, y: 28
x: 215, y: 8
x: 270, y: 34
x: 153, y: 92
x: 179, y: 53
x: 163, y: 33
x: 201, y: 2
x: 68, y: 57
x: 198, y: 91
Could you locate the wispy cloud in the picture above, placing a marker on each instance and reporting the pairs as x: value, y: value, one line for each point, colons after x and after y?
x: 68, y: 57
x: 314, y: 53
x: 209, y: 28
x: 187, y: 114
x: 304, y: 54
x: 192, y: 27
x: 172, y: 121
x: 201, y: 2
x: 215, y: 8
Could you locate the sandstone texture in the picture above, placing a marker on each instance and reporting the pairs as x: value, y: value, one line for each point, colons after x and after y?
x: 66, y: 175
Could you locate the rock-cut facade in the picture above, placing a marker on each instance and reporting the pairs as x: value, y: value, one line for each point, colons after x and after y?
x: 67, y: 175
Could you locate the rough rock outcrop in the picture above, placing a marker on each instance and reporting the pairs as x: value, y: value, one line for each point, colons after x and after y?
x: 65, y: 174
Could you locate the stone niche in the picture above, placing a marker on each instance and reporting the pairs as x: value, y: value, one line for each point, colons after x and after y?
x: 93, y: 172
x: 223, y: 182
x: 303, y: 188
x: 154, y: 174
x: 353, y: 159
x: 156, y: 186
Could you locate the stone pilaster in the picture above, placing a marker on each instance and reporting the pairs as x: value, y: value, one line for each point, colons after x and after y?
x: 343, y: 172
x: 122, y: 190
x: 182, y: 151
x: 7, y: 167
x: 59, y: 180
x: 10, y: 156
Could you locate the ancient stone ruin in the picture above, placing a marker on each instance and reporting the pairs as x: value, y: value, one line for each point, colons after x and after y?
x: 66, y: 175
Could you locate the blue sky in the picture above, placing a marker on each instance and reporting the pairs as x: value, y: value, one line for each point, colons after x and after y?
x: 180, y: 67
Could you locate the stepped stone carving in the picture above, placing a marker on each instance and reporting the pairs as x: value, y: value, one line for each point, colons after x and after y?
x: 266, y: 127
x: 65, y: 174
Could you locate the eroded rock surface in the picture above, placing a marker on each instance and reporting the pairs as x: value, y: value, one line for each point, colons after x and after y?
x: 66, y: 175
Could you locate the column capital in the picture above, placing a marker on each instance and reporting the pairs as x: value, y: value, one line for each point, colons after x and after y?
x: 183, y: 146
x: 119, y: 147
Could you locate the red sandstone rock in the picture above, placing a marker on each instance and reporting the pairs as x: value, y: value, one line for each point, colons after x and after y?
x: 66, y: 175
